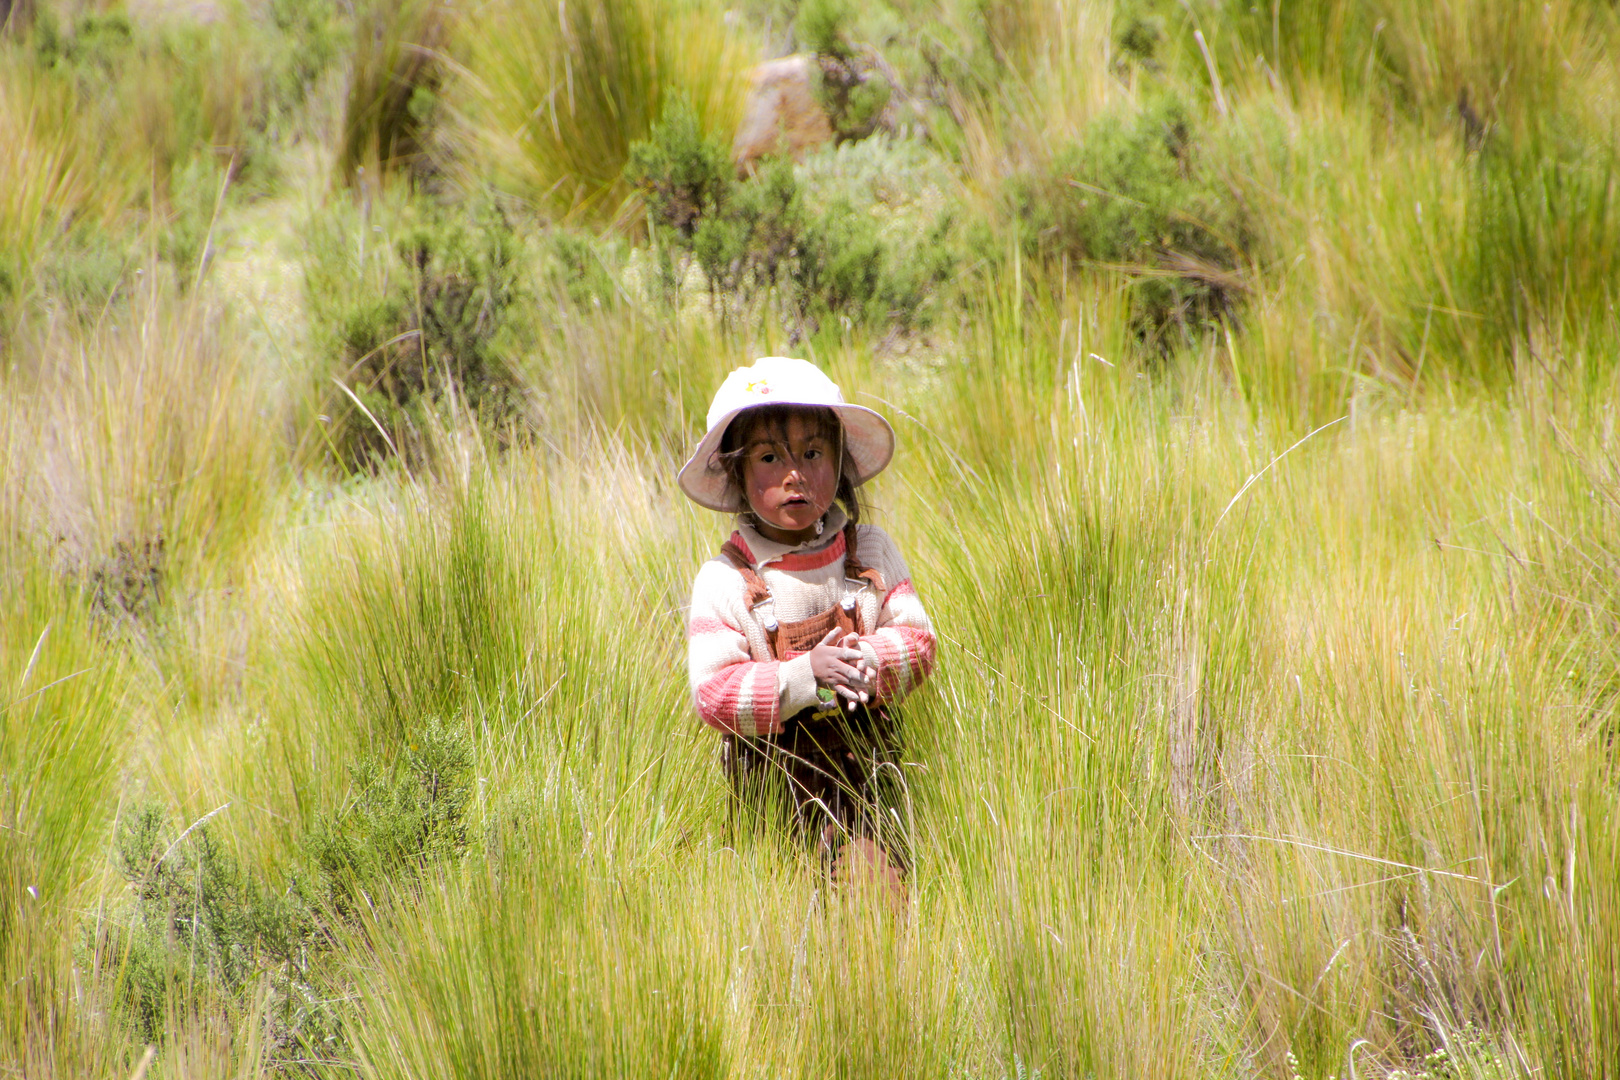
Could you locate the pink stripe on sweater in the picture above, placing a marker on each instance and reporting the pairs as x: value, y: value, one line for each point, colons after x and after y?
x: 811, y: 560
x: 905, y: 588
x: 766, y: 704
x: 798, y: 560
x: 721, y: 705
x: 902, y: 663
x: 922, y: 645
x: 703, y: 624
x: 717, y: 697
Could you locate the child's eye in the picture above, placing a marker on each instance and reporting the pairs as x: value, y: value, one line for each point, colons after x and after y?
x: 767, y: 458
x: 811, y: 455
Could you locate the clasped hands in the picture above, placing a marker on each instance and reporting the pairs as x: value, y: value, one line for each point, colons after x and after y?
x: 840, y: 666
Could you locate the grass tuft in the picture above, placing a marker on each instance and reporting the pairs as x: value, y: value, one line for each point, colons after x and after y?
x: 555, y: 95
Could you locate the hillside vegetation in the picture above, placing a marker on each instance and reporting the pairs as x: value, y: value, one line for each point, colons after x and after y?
x: 1255, y: 372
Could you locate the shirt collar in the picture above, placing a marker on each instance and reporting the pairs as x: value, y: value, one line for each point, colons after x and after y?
x: 768, y: 551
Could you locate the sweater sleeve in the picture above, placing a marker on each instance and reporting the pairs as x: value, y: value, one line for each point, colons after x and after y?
x: 902, y: 648
x: 732, y: 691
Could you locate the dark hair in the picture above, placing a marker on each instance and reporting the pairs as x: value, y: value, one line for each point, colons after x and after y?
x: 734, y: 446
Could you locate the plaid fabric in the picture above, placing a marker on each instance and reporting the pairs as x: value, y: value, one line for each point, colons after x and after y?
x: 738, y: 687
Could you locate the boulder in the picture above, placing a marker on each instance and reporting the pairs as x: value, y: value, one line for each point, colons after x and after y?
x: 781, y: 113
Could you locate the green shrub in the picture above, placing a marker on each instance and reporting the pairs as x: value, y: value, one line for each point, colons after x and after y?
x: 863, y: 234
x: 841, y: 261
x: 683, y: 174
x: 85, y: 272
x: 907, y: 195
x: 202, y: 920
x: 853, y: 94
x: 579, y: 267
x: 308, y: 38
x: 759, y: 233
x: 1134, y: 194
x: 203, y: 924
x: 185, y: 236
x: 426, y: 316
x: 405, y: 816
x: 1141, y: 34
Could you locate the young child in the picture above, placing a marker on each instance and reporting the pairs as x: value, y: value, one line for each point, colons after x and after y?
x: 805, y: 630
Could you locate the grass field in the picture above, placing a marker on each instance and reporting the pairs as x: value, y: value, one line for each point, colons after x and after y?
x: 1255, y: 374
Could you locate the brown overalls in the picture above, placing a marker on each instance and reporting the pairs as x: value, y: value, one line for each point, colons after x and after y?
x: 837, y: 765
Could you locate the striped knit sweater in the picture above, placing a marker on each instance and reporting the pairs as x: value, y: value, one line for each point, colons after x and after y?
x: 736, y: 685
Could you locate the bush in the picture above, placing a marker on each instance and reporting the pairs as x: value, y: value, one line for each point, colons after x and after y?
x: 683, y: 174
x: 758, y: 233
x: 859, y: 234
x: 307, y: 37
x: 425, y: 317
x: 579, y: 268
x: 1134, y: 195
x: 908, y: 196
x: 200, y: 917
x: 405, y: 817
x: 848, y: 87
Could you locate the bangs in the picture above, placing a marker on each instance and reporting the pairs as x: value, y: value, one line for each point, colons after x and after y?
x: 769, y: 423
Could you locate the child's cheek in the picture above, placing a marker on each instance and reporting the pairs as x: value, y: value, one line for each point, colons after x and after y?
x: 757, y: 484
x: 751, y: 486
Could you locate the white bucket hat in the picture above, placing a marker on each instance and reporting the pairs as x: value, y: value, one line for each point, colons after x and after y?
x: 781, y: 380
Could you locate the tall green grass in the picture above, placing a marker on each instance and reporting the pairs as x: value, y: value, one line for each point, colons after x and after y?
x: 554, y: 95
x: 398, y: 67
x: 1203, y: 781
x: 1274, y: 728
x: 52, y: 174
x: 64, y: 728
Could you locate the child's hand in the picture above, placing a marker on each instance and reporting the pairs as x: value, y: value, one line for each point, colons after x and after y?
x: 838, y: 664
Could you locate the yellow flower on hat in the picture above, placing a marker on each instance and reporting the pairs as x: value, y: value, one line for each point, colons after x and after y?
x: 759, y: 386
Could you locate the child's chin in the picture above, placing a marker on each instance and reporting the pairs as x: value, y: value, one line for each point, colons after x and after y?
x: 793, y: 522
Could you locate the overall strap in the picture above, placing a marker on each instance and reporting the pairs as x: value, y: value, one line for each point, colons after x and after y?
x: 758, y: 592
x: 854, y: 570
x: 852, y: 563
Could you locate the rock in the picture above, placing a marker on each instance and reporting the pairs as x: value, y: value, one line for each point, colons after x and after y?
x: 781, y: 113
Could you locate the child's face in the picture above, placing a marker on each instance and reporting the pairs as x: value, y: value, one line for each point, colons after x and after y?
x: 790, y: 476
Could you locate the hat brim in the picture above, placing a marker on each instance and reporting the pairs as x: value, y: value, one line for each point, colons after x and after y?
x: 868, y: 449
